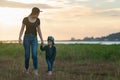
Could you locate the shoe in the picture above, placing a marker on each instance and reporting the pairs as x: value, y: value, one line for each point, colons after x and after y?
x: 27, y: 71
x: 49, y: 73
x: 36, y: 72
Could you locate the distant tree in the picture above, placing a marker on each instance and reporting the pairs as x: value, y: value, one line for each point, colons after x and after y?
x: 88, y: 39
x: 1, y: 42
x: 72, y: 39
x: 78, y: 39
x: 110, y: 37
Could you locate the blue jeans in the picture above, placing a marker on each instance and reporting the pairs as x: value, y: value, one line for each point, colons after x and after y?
x: 50, y: 64
x: 30, y: 43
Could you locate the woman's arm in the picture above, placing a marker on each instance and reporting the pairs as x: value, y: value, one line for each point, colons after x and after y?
x: 40, y: 34
x: 21, y: 32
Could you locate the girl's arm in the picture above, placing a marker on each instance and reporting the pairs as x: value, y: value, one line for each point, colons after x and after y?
x: 43, y: 48
x: 54, y: 54
x: 21, y: 32
x: 40, y: 34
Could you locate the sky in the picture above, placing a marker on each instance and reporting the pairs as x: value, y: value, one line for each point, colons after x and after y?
x: 62, y: 19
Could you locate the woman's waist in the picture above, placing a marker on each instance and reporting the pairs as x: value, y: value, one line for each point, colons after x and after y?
x: 30, y: 36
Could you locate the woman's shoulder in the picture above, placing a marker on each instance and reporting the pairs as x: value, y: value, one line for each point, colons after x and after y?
x: 25, y: 18
x: 38, y: 19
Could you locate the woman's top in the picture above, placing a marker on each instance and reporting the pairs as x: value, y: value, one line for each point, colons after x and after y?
x: 31, y: 27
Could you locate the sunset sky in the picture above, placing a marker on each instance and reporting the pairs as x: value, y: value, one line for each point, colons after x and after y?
x: 62, y: 19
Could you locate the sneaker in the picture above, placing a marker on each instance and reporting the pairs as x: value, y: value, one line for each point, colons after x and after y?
x: 49, y: 73
x: 36, y: 72
x: 27, y: 71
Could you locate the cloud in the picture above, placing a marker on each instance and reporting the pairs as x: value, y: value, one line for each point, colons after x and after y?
x: 75, y: 2
x: 5, y: 3
x: 82, y: 0
x: 109, y: 0
x: 67, y: 16
x: 75, y: 11
x: 72, y: 0
x: 60, y: 0
x: 109, y: 12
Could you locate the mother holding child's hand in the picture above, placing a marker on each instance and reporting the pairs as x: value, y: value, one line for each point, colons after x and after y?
x: 30, y: 42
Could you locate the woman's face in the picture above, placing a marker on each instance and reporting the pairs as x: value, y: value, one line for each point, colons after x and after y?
x: 35, y: 16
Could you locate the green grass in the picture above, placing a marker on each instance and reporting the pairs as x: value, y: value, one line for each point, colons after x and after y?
x: 89, y: 52
x: 73, y: 62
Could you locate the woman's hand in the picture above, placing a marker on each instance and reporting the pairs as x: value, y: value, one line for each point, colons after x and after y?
x: 21, y: 32
x: 42, y: 42
x: 20, y: 41
x: 40, y: 34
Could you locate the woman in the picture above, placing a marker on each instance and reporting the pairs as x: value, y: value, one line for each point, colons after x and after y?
x: 32, y: 25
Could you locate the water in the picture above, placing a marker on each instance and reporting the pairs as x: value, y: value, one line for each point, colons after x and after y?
x: 87, y: 42
x: 76, y: 42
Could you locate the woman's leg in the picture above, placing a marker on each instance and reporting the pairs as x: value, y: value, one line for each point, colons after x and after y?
x: 26, y: 44
x: 34, y: 52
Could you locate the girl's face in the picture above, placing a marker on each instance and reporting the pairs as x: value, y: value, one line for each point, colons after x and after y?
x: 50, y: 43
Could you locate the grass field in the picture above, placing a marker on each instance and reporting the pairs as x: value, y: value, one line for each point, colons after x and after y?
x: 73, y: 62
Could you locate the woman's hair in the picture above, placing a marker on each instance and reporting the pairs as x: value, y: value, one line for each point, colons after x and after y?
x: 35, y: 11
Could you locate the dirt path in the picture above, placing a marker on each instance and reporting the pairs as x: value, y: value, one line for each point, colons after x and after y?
x: 13, y: 69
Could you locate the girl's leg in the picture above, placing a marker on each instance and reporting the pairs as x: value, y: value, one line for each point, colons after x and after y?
x: 49, y: 64
x: 26, y: 44
x: 49, y: 67
x: 52, y: 63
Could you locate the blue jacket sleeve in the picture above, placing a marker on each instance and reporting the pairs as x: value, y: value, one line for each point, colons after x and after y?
x: 54, y: 53
x: 43, y: 48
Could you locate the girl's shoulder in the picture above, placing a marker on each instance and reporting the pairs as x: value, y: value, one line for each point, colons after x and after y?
x: 54, y: 47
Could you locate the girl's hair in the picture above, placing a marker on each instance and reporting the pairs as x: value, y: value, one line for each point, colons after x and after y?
x: 35, y: 11
x: 51, y: 39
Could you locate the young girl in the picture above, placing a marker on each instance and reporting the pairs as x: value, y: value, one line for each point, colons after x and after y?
x: 50, y: 50
x: 30, y: 42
